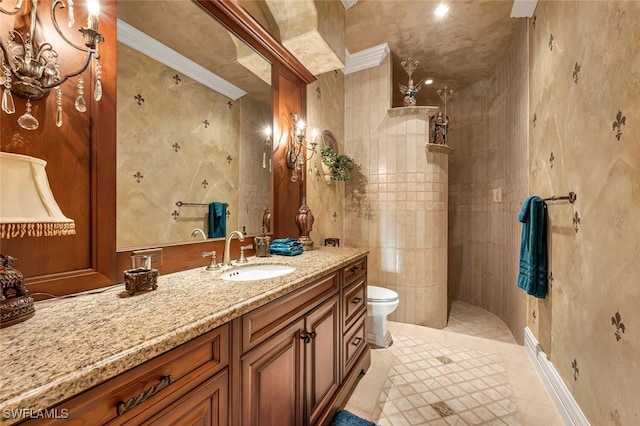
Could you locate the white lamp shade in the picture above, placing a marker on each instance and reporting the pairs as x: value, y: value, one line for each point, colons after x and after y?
x: 27, y: 206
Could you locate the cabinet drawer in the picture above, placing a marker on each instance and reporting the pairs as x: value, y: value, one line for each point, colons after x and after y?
x: 355, y: 270
x: 354, y: 343
x: 263, y: 322
x: 354, y: 301
x: 130, y: 393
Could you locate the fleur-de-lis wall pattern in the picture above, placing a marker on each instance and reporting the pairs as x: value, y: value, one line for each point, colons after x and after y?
x: 176, y: 147
x: 176, y: 79
x: 139, y: 99
x: 576, y: 71
x: 551, y: 158
x: 576, y: 370
x: 576, y: 222
x: 620, y: 121
x: 535, y: 18
x: 551, y: 42
x: 535, y: 119
x: 318, y: 92
x: 616, y: 321
x: 138, y: 177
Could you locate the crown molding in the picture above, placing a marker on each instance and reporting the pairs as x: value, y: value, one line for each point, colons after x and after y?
x: 136, y: 39
x: 368, y: 58
x: 348, y: 3
x: 523, y: 8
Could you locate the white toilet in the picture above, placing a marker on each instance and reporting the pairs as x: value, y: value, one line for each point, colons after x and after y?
x: 380, y: 303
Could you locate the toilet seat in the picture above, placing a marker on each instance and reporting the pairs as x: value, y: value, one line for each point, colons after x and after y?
x: 380, y: 294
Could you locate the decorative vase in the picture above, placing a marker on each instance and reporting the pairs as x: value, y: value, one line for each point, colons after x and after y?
x: 328, y: 176
x: 304, y: 222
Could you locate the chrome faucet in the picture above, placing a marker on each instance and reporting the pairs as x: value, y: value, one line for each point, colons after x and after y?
x: 226, y: 257
x: 197, y: 232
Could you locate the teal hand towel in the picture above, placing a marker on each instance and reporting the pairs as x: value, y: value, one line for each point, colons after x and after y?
x: 286, y: 247
x: 217, y: 219
x: 533, y: 274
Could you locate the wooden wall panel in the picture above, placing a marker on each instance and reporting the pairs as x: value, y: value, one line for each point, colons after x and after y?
x: 81, y: 169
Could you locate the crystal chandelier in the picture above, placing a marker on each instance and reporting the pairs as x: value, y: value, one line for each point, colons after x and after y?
x: 31, y: 70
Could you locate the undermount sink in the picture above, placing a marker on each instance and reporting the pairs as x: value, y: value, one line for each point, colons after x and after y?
x: 256, y: 272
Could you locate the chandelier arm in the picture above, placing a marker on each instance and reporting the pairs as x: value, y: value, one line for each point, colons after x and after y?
x: 61, y: 5
x: 73, y: 74
x: 15, y: 10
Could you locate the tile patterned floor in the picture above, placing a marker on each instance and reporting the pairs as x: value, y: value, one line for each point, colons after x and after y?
x: 440, y: 377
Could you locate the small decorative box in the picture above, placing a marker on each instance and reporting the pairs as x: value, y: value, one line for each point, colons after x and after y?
x: 140, y: 280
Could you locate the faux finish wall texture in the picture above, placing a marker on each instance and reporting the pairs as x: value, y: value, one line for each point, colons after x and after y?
x: 325, y: 111
x: 180, y: 141
x: 584, y: 122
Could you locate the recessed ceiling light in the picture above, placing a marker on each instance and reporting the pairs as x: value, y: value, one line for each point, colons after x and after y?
x: 441, y: 10
x: 429, y: 81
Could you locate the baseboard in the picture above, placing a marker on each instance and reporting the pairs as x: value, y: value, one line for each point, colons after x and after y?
x: 567, y: 406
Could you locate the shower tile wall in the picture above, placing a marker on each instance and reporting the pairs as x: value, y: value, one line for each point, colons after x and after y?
x: 487, y: 183
x: 396, y: 202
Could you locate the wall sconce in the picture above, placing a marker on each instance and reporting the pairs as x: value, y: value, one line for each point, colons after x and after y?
x: 266, y: 153
x: 297, y: 148
x: 31, y: 70
x: 27, y: 208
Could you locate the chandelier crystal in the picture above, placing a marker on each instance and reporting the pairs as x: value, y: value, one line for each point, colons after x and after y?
x: 32, y: 69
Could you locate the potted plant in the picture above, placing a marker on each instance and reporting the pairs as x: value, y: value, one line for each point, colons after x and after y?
x: 336, y: 166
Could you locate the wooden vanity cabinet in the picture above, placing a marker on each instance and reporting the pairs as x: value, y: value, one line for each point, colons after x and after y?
x: 301, y: 352
x: 191, y: 379
x: 290, y: 377
x: 354, y: 314
x: 292, y: 361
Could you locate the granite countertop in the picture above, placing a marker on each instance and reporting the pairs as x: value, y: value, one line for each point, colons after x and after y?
x: 73, y: 344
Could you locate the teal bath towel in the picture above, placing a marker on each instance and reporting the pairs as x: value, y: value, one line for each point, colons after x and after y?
x: 533, y: 275
x: 217, y: 219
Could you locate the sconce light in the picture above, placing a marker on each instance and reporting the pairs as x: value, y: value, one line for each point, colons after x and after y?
x: 31, y: 70
x: 27, y: 208
x: 266, y: 153
x: 298, y: 146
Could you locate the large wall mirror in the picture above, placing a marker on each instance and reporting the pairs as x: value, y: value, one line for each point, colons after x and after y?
x: 194, y: 105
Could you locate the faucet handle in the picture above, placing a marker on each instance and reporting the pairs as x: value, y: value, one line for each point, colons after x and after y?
x: 213, y: 265
x: 242, y: 258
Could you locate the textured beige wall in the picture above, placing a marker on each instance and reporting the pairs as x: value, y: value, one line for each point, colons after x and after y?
x: 488, y: 181
x: 585, y: 72
x: 166, y: 153
x: 325, y: 111
x: 397, y: 205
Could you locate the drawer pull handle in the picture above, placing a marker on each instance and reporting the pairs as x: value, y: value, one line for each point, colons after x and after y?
x: 356, y: 300
x: 355, y: 269
x: 123, y: 407
x: 356, y: 342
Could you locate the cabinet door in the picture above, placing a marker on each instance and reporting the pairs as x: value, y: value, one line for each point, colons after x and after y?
x: 272, y: 391
x: 206, y: 405
x: 322, y: 350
